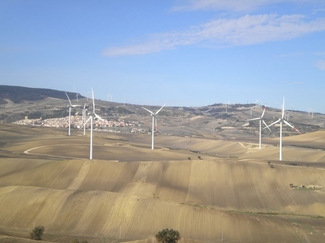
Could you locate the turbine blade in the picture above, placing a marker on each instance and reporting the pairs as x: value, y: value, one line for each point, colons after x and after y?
x: 148, y: 111
x: 92, y: 95
x: 98, y: 117
x: 254, y: 119
x: 266, y: 126
x: 68, y: 98
x: 263, y: 112
x: 87, y: 120
x: 159, y: 109
x: 283, y: 108
x: 272, y: 124
x: 291, y: 126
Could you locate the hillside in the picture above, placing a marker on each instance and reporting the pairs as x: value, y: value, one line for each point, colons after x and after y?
x: 212, y: 121
x: 17, y: 94
x: 210, y: 190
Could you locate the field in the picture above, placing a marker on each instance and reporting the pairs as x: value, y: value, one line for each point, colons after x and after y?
x: 209, y: 190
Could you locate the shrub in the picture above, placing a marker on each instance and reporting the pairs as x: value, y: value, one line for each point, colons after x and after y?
x: 37, y: 233
x: 168, y: 236
x: 77, y: 241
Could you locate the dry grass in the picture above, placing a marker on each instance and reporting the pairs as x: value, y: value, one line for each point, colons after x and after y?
x: 230, y: 193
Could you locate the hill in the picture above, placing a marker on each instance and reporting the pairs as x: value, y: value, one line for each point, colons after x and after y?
x: 212, y: 121
x: 17, y: 94
x: 230, y: 192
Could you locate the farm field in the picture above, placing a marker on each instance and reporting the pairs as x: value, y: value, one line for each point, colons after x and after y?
x: 209, y: 190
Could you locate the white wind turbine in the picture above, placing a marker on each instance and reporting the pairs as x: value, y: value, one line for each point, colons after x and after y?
x: 281, y: 121
x: 92, y: 116
x: 70, y: 106
x: 109, y: 97
x: 261, y: 120
x: 153, y: 115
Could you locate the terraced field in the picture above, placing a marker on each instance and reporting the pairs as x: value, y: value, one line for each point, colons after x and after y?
x: 209, y: 190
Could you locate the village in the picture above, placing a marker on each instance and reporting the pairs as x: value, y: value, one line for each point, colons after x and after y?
x: 77, y: 122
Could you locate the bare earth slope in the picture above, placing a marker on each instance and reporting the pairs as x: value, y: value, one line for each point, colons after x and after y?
x: 209, y: 190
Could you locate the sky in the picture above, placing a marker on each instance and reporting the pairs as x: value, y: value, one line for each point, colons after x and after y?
x: 173, y: 52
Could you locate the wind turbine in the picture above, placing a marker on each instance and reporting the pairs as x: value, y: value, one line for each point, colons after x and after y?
x: 109, y: 97
x: 261, y: 120
x: 281, y: 121
x: 153, y: 115
x: 70, y: 106
x: 92, y: 116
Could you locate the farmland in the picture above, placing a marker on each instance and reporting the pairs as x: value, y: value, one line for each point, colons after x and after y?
x: 209, y: 190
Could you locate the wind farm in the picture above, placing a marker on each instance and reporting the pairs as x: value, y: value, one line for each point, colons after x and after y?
x: 206, y: 176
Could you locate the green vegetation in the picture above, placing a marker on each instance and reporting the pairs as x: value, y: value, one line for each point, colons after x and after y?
x: 168, y: 236
x: 77, y: 241
x: 276, y: 213
x: 37, y: 233
x: 271, y: 166
x: 307, y: 187
x: 19, y: 94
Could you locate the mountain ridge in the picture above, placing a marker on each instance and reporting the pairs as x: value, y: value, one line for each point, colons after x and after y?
x: 19, y: 94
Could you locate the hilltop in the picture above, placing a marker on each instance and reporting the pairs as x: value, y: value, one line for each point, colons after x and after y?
x: 17, y: 94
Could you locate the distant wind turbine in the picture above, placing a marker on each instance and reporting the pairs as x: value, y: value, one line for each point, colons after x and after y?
x: 260, y: 119
x: 281, y: 121
x: 92, y: 116
x: 153, y: 115
x: 109, y: 97
x: 70, y: 106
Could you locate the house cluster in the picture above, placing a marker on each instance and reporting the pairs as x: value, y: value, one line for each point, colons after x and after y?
x: 76, y: 122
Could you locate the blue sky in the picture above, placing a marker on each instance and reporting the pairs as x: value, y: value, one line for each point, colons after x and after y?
x: 178, y: 52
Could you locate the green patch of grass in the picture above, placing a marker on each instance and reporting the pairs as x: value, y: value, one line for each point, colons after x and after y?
x: 276, y: 213
x: 198, y: 206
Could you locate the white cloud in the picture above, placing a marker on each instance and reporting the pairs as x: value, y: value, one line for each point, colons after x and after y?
x: 320, y: 64
x: 233, y: 5
x: 246, y: 30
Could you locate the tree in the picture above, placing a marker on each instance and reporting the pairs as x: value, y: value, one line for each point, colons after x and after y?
x: 37, y: 233
x: 168, y: 236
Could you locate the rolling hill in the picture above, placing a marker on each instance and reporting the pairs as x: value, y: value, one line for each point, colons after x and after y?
x: 206, y: 177
x: 210, y: 190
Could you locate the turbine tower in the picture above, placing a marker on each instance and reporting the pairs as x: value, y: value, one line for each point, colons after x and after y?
x: 153, y: 115
x: 281, y: 121
x: 84, y: 113
x: 92, y: 116
x: 260, y: 119
x: 70, y: 106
